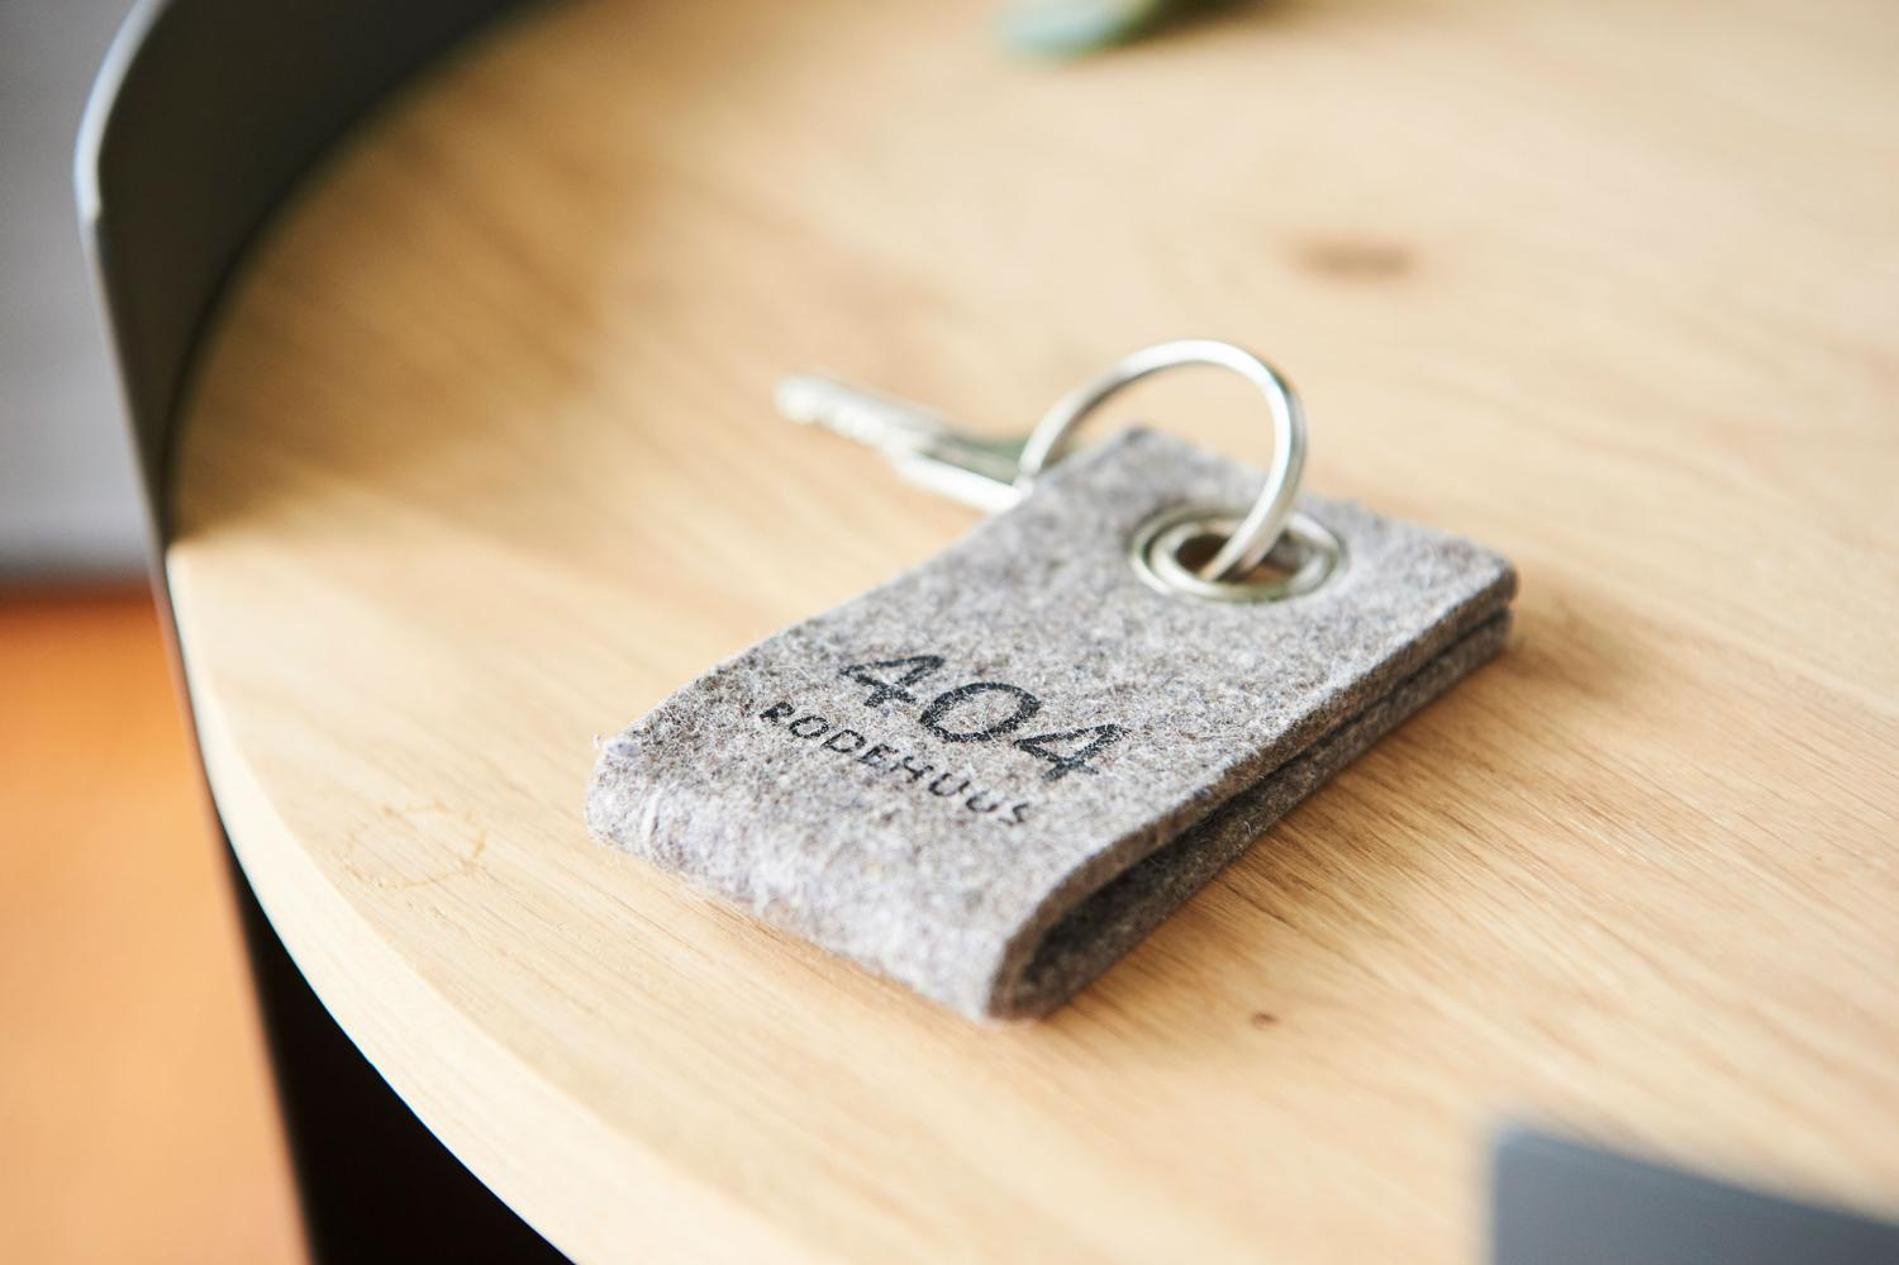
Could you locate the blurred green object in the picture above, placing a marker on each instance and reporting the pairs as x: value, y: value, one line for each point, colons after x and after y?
x: 1068, y: 28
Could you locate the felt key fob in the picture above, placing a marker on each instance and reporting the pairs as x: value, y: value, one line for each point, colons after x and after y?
x: 991, y: 776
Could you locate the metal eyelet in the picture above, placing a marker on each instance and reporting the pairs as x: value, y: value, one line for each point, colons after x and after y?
x: 1309, y: 553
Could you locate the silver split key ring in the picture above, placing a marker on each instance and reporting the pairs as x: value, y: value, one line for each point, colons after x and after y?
x: 994, y: 474
x: 1260, y: 529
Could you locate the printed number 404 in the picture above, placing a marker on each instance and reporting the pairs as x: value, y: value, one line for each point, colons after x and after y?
x: 947, y: 715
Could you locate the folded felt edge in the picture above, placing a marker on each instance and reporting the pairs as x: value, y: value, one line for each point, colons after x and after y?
x: 1087, y: 924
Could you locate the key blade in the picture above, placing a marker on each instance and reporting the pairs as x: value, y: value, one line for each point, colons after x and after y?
x: 975, y: 472
x: 923, y: 446
x: 877, y: 421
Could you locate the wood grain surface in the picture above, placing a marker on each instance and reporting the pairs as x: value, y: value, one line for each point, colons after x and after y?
x: 483, y: 464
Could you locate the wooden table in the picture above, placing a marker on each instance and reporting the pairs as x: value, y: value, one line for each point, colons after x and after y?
x: 482, y: 464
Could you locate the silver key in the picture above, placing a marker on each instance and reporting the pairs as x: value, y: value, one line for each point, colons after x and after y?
x: 923, y: 446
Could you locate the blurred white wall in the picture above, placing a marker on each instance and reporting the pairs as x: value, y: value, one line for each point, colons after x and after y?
x: 68, y: 500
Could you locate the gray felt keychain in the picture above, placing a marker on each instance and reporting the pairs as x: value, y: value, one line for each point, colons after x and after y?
x: 991, y: 776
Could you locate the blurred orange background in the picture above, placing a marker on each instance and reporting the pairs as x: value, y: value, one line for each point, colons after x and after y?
x: 136, y: 1118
